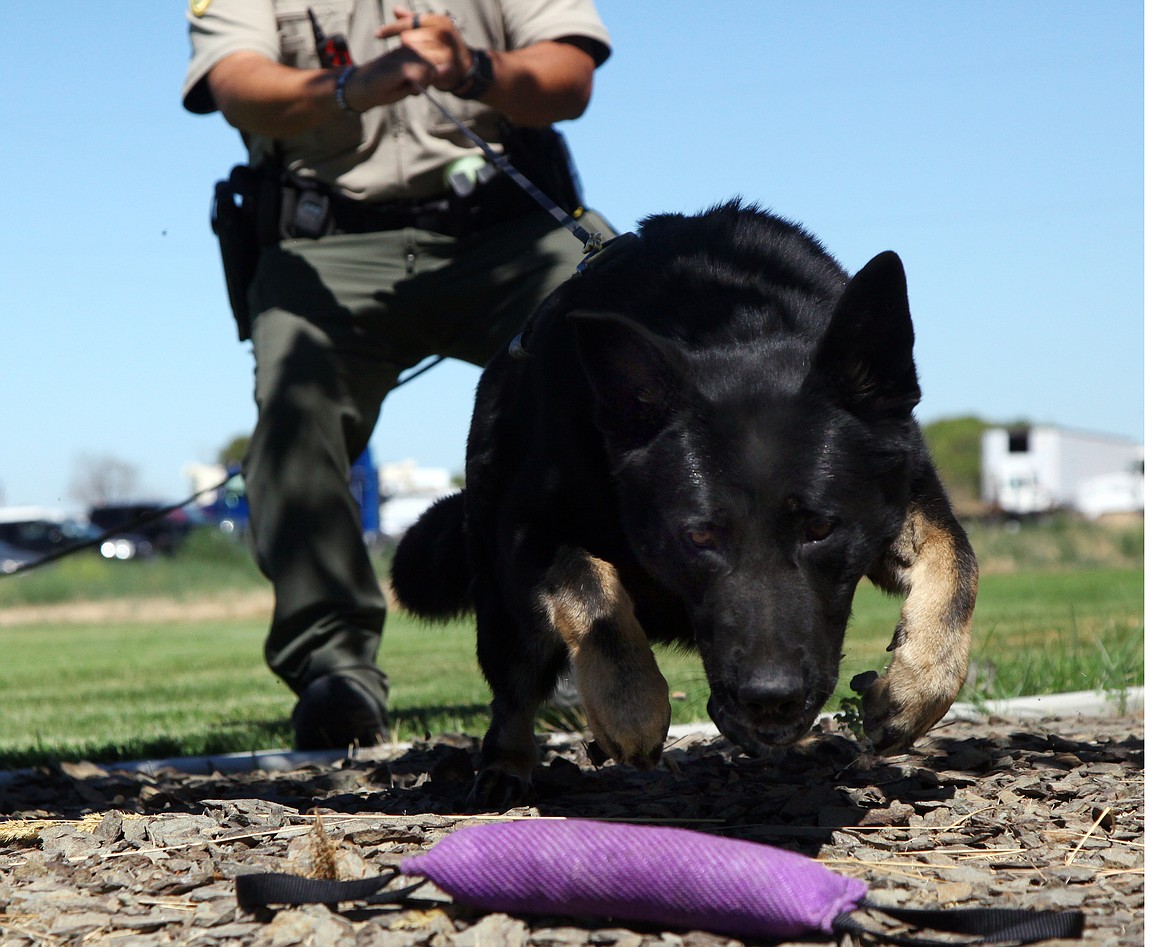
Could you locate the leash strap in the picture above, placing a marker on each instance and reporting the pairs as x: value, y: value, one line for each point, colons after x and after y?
x: 589, y: 241
x: 128, y: 526
x: 984, y: 925
x: 264, y: 888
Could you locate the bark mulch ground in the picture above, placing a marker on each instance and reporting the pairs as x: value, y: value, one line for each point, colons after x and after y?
x: 1042, y: 814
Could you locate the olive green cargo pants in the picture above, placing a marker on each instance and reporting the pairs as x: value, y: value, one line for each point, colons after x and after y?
x: 335, y: 321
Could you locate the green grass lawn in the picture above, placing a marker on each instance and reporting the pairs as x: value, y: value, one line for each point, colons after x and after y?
x: 105, y: 691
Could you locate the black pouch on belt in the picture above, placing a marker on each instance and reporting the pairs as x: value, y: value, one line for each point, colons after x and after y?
x: 235, y: 220
x: 253, y: 208
x: 306, y: 209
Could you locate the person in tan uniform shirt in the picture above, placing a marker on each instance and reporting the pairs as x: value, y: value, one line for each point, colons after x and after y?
x: 407, y: 259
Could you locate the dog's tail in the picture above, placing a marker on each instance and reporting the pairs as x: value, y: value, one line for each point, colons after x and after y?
x: 430, y: 574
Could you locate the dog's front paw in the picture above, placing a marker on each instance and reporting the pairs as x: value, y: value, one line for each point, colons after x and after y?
x: 905, y: 702
x: 629, y: 714
x: 498, y: 790
x: 509, y: 756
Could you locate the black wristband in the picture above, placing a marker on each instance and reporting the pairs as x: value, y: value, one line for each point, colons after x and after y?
x: 479, y: 77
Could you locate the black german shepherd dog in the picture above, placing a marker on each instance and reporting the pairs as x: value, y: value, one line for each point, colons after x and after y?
x: 705, y: 437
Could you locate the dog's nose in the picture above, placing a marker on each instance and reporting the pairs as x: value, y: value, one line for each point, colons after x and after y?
x: 776, y: 695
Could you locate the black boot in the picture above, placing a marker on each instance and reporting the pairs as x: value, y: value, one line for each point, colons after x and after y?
x: 335, y: 712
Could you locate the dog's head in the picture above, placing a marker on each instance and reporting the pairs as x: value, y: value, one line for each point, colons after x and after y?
x: 761, y: 473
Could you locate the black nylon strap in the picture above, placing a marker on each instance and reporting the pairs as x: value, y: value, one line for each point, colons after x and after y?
x: 985, y: 925
x: 264, y: 888
x: 589, y: 241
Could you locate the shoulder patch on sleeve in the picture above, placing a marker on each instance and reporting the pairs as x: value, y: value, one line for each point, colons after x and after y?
x: 199, y: 7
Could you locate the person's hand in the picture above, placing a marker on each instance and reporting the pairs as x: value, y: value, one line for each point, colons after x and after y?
x: 387, y: 79
x: 435, y: 39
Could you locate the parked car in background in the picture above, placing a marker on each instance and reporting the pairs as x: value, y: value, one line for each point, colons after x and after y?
x: 41, y: 530
x: 139, y: 529
x: 13, y: 557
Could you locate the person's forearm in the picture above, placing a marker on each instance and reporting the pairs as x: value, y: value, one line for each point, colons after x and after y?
x: 534, y: 86
x: 541, y: 84
x: 261, y: 97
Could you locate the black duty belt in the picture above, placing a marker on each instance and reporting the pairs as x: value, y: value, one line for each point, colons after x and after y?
x: 351, y: 216
x: 312, y: 211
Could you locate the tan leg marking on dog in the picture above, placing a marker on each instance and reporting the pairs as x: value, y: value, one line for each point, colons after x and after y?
x: 624, y: 694
x: 931, y: 563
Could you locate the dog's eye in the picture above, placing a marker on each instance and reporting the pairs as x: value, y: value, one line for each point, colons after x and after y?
x: 702, y: 538
x: 817, y: 529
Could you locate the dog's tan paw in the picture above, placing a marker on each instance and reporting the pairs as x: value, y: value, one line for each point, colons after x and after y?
x: 906, y: 701
x: 629, y: 713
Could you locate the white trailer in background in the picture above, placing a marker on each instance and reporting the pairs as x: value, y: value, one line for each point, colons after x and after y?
x: 1039, y: 469
x: 407, y: 491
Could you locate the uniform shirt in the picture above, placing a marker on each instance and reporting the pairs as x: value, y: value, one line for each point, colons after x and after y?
x: 389, y: 152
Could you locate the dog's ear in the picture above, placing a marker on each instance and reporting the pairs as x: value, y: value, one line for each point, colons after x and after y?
x: 868, y: 349
x: 634, y: 374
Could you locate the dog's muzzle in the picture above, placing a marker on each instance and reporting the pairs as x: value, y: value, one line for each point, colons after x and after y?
x: 764, y: 725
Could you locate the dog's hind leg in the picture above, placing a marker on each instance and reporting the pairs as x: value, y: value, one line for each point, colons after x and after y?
x: 932, y: 564
x: 624, y: 694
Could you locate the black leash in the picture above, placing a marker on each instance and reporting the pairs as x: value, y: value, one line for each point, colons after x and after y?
x: 141, y: 520
x: 982, y: 925
x: 152, y: 515
x: 258, y: 890
x: 589, y: 241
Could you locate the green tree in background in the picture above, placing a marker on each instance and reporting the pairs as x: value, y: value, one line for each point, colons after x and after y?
x: 955, y: 446
x: 232, y: 453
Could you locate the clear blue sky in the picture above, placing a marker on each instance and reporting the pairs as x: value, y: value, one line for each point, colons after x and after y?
x: 997, y: 146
